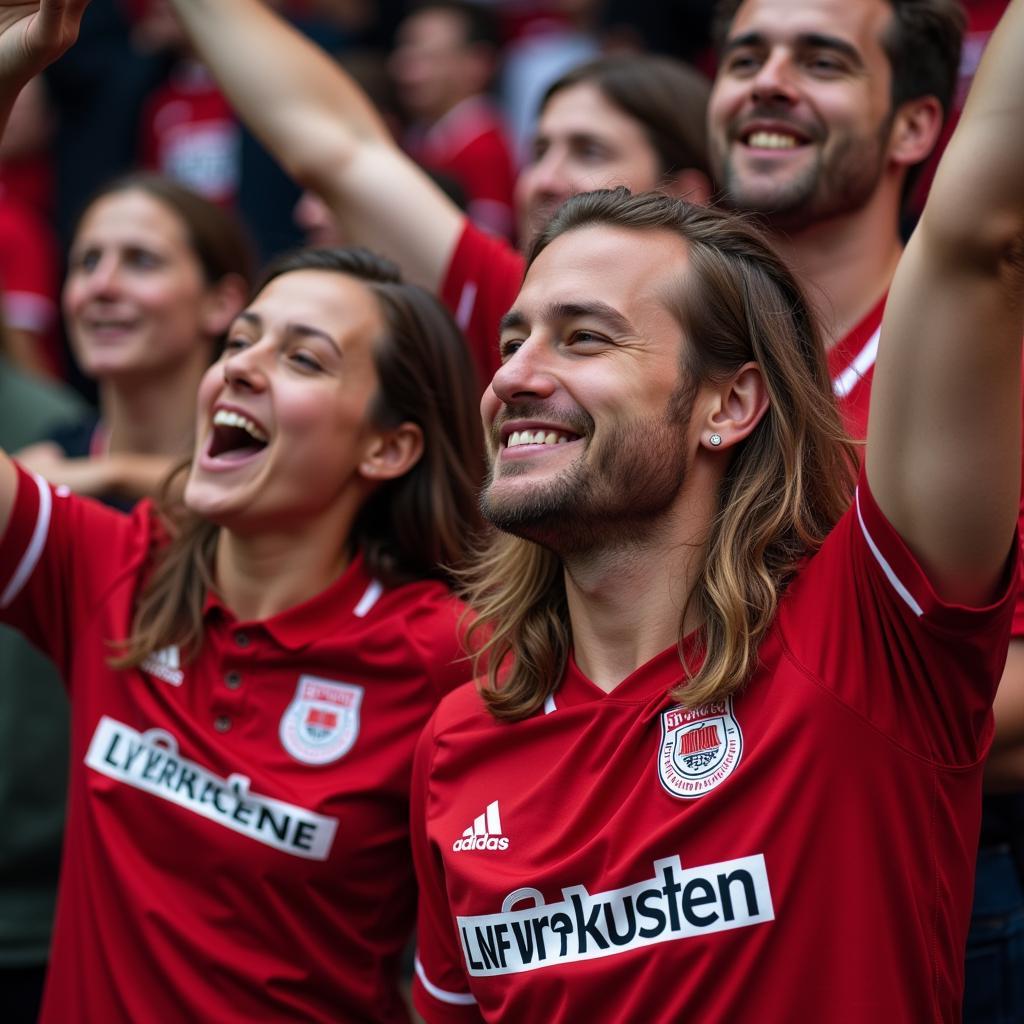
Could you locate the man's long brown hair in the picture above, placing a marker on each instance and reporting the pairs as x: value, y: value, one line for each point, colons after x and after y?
x: 785, y: 488
x: 418, y: 526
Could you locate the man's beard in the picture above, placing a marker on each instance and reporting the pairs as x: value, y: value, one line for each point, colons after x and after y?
x: 837, y: 183
x: 608, y: 497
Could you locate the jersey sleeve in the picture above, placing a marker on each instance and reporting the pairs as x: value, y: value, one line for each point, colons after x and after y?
x: 57, y: 557
x: 479, y: 288
x: 863, y: 620
x: 437, y: 629
x: 440, y: 989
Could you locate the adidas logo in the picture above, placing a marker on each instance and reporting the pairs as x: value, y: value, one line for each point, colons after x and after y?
x: 484, y: 833
x: 165, y: 665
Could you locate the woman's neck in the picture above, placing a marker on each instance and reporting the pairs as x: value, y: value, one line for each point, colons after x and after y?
x: 261, y: 575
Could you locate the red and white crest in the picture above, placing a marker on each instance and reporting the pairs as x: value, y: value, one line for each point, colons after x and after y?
x: 322, y: 722
x: 700, y: 748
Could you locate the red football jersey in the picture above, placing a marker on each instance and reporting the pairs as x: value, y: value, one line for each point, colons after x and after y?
x: 469, y: 145
x: 851, y: 365
x: 237, y: 843
x: 480, y: 285
x: 802, y: 851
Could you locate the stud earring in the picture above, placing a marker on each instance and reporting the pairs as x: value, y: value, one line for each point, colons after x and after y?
x: 715, y: 440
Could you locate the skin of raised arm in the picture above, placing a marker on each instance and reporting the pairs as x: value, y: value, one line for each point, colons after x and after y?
x: 943, y: 455
x: 32, y: 35
x: 120, y: 475
x: 1004, y: 771
x: 325, y: 133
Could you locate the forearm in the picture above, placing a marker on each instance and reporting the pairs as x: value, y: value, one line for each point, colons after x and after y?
x: 944, y: 434
x: 976, y: 203
x: 326, y: 134
x: 304, y: 108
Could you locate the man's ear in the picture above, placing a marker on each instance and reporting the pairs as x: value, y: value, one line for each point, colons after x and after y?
x: 734, y: 408
x: 915, y: 130
x: 222, y: 303
x: 690, y: 184
x: 392, y: 453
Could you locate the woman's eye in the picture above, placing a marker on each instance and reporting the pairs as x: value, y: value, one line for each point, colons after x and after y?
x: 306, y: 361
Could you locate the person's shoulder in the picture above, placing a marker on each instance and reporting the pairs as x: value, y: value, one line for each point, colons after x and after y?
x: 463, y: 709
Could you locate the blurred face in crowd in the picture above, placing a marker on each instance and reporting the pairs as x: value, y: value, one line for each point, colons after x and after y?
x: 800, y: 113
x: 314, y: 217
x: 433, y: 66
x: 583, y: 142
x: 135, y: 299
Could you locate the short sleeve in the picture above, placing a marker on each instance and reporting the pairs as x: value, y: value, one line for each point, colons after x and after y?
x: 440, y: 989
x: 58, y: 556
x: 863, y: 619
x: 479, y: 288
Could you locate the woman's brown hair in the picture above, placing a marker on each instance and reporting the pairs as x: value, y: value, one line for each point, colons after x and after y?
x: 785, y: 488
x: 415, y: 527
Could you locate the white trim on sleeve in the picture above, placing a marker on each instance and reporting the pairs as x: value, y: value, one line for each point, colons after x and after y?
x: 890, y: 575
x: 453, y: 998
x: 864, y: 360
x: 35, y: 545
x: 549, y: 704
x: 464, y: 309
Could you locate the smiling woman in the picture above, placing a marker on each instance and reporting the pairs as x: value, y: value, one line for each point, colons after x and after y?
x: 250, y: 666
x: 155, y: 275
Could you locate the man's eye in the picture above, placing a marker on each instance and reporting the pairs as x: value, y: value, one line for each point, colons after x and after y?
x: 508, y: 348
x: 741, y: 62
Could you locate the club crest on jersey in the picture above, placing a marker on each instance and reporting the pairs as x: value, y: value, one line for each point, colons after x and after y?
x: 700, y: 748
x: 322, y: 722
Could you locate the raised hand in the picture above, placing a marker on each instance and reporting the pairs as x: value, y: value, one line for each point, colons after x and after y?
x: 33, y: 35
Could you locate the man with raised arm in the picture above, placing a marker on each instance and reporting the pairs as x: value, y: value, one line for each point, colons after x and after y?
x: 634, y: 121
x: 820, y: 116
x: 727, y: 761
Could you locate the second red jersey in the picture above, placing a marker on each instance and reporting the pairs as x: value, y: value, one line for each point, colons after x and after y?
x: 802, y: 851
x: 237, y: 841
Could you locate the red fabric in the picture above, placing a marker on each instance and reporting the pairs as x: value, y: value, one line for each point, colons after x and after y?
x: 851, y: 365
x: 219, y: 865
x: 479, y: 288
x: 29, y: 275
x: 815, y: 863
x: 189, y: 132
x: 469, y: 145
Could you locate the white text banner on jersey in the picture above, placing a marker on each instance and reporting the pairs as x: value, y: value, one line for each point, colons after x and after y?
x: 150, y: 762
x: 676, y: 903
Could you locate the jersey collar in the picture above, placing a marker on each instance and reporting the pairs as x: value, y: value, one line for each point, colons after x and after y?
x: 305, y: 623
x: 651, y: 680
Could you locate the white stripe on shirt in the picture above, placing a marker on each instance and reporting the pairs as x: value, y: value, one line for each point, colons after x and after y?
x: 862, y: 363
x: 454, y: 998
x: 886, y: 567
x: 35, y: 545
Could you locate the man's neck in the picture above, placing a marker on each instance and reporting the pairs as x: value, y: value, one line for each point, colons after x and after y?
x: 845, y: 264
x: 626, y: 600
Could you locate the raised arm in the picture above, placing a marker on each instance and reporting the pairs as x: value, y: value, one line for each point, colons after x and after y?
x: 325, y: 133
x: 943, y: 457
x: 32, y: 35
